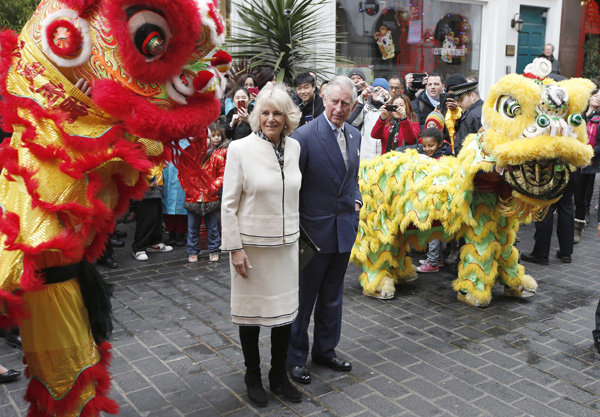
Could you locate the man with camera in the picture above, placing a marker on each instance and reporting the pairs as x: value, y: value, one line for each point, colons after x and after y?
x: 429, y: 99
x: 365, y: 116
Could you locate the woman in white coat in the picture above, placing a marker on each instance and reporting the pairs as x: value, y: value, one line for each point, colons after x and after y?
x: 260, y: 223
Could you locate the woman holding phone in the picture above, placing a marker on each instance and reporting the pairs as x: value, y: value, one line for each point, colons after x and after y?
x: 236, y: 122
x: 397, y: 126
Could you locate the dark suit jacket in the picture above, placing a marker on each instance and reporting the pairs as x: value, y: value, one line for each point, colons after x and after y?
x: 329, y: 190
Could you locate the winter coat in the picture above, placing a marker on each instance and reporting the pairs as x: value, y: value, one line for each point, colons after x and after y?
x: 408, y: 133
x: 238, y: 131
x: 313, y: 108
x: 214, y: 167
x: 422, y: 107
x: 593, y: 128
x: 555, y: 63
x: 174, y: 196
x: 470, y: 122
x: 366, y: 115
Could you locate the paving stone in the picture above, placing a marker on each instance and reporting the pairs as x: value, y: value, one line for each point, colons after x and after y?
x: 147, y: 399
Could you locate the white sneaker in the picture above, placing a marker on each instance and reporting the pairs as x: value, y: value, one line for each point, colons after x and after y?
x: 141, y: 255
x: 160, y: 247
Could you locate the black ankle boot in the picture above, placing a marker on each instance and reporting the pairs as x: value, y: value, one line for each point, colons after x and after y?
x: 256, y: 392
x: 281, y: 385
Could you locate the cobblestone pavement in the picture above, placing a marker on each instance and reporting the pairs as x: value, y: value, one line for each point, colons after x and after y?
x: 423, y: 353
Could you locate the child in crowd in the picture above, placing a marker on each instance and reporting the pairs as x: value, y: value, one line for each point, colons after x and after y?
x: 236, y: 122
x: 203, y: 202
x: 434, y: 147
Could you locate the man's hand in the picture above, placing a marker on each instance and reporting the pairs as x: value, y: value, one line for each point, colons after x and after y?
x: 357, y: 206
x: 84, y: 86
x: 240, y: 261
x: 409, y: 81
x: 451, y: 104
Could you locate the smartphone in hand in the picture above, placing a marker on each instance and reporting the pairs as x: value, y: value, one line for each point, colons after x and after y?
x: 241, y: 105
x: 253, y: 90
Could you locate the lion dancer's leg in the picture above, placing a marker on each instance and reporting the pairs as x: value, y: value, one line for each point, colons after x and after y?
x: 384, y: 268
x: 510, y: 273
x: 68, y: 372
x: 478, y: 268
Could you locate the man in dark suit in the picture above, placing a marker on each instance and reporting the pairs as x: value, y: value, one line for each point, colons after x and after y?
x: 330, y: 202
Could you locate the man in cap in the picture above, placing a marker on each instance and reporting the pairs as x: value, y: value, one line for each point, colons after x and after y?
x: 467, y: 98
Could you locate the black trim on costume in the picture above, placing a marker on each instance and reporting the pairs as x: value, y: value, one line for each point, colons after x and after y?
x: 96, y: 293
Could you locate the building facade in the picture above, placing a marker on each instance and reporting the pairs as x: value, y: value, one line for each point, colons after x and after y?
x: 476, y: 38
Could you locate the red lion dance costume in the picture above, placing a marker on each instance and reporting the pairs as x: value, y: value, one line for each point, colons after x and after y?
x: 74, y: 161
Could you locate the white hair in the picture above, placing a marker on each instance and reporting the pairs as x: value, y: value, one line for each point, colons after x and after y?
x: 276, y: 96
x: 343, y: 82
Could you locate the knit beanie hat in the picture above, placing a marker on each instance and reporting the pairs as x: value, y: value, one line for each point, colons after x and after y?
x: 357, y: 71
x: 381, y: 82
x: 437, y: 117
x: 454, y: 80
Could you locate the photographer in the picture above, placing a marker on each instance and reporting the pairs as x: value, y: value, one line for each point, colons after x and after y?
x: 397, y: 126
x: 236, y: 123
x: 429, y: 99
x: 366, y: 114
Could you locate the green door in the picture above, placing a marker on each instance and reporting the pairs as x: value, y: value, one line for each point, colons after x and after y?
x: 532, y: 37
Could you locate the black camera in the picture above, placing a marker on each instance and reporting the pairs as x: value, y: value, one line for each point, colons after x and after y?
x: 444, y: 98
x: 391, y: 107
x: 418, y: 79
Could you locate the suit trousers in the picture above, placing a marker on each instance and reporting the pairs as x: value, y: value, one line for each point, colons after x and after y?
x: 565, y: 226
x: 148, y: 224
x: 596, y: 331
x: 321, y: 288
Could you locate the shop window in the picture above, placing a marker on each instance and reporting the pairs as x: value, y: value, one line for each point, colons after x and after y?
x: 397, y: 37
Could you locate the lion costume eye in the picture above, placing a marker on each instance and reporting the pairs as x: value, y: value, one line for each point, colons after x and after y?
x: 508, y: 107
x: 575, y: 119
x: 150, y: 32
x: 543, y: 120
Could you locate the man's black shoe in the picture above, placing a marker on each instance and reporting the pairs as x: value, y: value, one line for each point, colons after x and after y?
x: 116, y: 243
x: 597, y: 343
x: 528, y: 257
x: 565, y: 258
x: 9, y: 375
x: 14, y: 340
x: 119, y: 234
x: 336, y: 364
x: 300, y: 374
x: 108, y: 261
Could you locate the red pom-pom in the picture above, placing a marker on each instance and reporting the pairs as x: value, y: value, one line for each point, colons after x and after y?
x: 221, y: 60
x: 204, y: 81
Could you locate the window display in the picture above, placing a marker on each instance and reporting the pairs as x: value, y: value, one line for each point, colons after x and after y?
x: 397, y: 37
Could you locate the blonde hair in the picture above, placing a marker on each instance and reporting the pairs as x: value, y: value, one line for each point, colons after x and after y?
x: 276, y: 96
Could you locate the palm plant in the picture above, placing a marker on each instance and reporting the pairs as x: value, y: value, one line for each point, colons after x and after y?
x: 281, y: 34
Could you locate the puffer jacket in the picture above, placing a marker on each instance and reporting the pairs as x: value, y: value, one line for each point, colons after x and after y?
x: 214, y: 168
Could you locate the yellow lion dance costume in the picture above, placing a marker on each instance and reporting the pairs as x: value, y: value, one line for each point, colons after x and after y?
x: 74, y: 161
x: 516, y: 168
